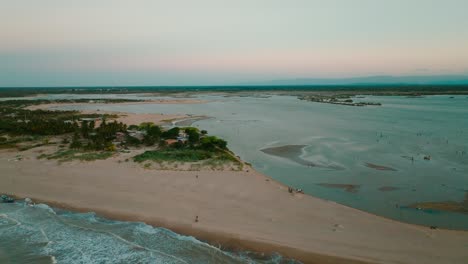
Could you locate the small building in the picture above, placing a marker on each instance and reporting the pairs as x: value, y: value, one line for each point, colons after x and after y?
x: 89, y: 119
x: 182, y: 139
x: 137, y: 134
x: 171, y: 141
x: 119, y: 137
x: 23, y: 121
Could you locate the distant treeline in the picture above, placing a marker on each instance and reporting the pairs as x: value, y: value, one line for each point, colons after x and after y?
x: 364, y: 89
x: 16, y: 120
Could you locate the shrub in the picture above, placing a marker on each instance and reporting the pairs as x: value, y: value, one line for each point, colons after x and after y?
x: 186, y: 155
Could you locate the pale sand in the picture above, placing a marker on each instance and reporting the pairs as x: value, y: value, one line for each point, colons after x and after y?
x: 160, y: 101
x: 131, y: 118
x: 136, y: 119
x: 238, y: 209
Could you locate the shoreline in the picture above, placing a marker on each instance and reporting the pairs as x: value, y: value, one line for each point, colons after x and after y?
x: 219, y: 239
x: 131, y: 118
x: 238, y: 210
x: 47, y: 106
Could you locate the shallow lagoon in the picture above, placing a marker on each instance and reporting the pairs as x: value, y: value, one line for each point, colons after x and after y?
x: 347, y: 137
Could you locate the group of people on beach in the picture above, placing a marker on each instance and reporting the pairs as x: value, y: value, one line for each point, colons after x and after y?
x: 292, y: 190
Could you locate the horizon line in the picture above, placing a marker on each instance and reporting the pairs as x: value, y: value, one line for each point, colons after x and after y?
x: 241, y: 85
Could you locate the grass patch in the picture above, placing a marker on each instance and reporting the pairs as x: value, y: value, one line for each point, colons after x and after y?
x: 6, y: 143
x: 71, y: 154
x: 215, y: 159
x: 186, y: 155
x: 27, y: 147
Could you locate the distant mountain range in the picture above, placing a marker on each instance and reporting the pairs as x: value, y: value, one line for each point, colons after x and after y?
x: 375, y: 80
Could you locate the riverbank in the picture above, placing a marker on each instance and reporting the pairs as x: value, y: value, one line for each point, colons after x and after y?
x: 237, y: 209
x: 97, y: 103
x: 131, y: 118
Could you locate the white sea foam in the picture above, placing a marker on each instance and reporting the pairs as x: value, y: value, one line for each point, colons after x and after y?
x: 45, y: 207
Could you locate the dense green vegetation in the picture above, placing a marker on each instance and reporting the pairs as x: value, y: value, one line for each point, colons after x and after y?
x: 193, y: 147
x: 16, y: 120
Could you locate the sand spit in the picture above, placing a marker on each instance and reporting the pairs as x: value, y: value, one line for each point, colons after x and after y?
x: 133, y: 118
x: 136, y: 119
x: 189, y: 121
x: 379, y: 167
x: 450, y: 206
x: 293, y: 153
x: 161, y: 101
x: 352, y: 188
x: 237, y: 209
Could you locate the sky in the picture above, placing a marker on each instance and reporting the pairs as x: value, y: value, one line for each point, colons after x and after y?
x: 220, y: 42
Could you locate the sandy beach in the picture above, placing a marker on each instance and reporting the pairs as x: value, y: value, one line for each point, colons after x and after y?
x: 242, y: 209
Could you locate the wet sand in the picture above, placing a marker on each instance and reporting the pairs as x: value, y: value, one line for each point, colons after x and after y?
x: 190, y: 120
x: 352, y: 188
x: 379, y: 167
x: 293, y: 153
x: 449, y: 206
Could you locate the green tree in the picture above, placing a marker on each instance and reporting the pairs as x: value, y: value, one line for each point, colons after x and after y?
x: 149, y: 140
x: 84, y: 129
x: 193, y: 136
x: 76, y: 143
x: 133, y: 127
x: 154, y: 131
x: 211, y: 143
x: 171, y: 133
x: 132, y: 141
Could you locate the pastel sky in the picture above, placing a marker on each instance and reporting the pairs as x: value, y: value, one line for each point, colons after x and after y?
x: 212, y: 42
